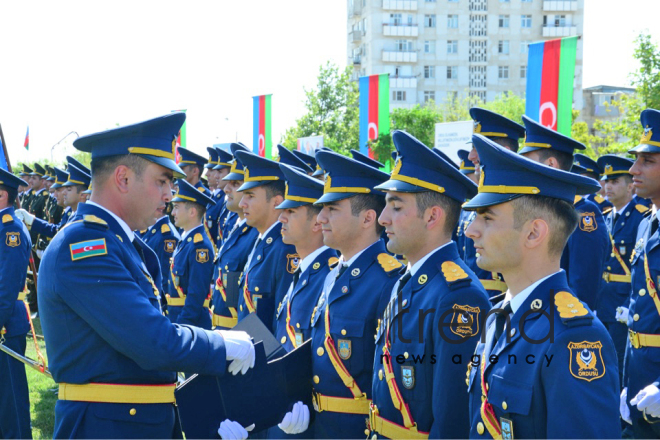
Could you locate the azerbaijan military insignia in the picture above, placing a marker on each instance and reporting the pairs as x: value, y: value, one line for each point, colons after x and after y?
x: 465, y: 321
x: 344, y: 346
x: 292, y: 262
x: 170, y: 245
x: 586, y: 360
x: 13, y: 239
x: 507, y: 428
x: 588, y: 221
x: 408, y: 376
x: 299, y: 339
x: 202, y: 255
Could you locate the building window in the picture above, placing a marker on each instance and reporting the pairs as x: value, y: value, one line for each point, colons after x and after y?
x: 526, y: 21
x: 396, y: 19
x: 429, y: 95
x: 403, y: 46
x: 452, y: 21
x: 523, y: 46
x: 523, y: 72
x: 398, y: 95
x: 503, y: 47
x: 560, y: 20
x: 452, y: 46
x: 429, y: 46
x: 452, y: 72
x: 504, y: 21
x: 429, y: 20
x: 429, y: 71
x: 503, y: 72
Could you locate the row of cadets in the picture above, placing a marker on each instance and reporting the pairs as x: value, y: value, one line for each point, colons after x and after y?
x: 53, y: 208
x: 216, y: 216
x: 15, y: 249
x: 191, y: 266
x: 586, y: 166
x: 228, y: 218
x: 193, y: 165
x: 25, y: 191
x: 415, y: 396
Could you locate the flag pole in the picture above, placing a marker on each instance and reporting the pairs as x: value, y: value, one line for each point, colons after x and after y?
x: 4, y: 149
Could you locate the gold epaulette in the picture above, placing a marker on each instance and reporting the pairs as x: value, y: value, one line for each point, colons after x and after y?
x: 165, y: 229
x: 599, y: 198
x: 332, y: 261
x: 94, y: 219
x: 7, y: 218
x: 388, y: 262
x: 577, y: 199
x: 198, y: 238
x: 641, y: 208
x: 569, y: 306
x: 607, y: 210
x: 453, y: 272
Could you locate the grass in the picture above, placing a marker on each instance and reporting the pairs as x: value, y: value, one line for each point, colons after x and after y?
x: 42, y: 398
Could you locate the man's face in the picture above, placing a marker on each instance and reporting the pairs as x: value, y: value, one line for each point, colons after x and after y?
x: 618, y: 190
x: 211, y: 177
x: 402, y: 224
x: 59, y: 196
x: 646, y: 176
x: 497, y: 243
x: 192, y: 173
x: 182, y: 215
x: 233, y: 197
x: 70, y: 196
x: 340, y: 227
x: 256, y: 209
x: 48, y: 184
x: 296, y: 225
x: 222, y: 173
x: 148, y: 196
x: 35, y: 182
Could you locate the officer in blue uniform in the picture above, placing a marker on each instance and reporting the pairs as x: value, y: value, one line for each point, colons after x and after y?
x: 14, y: 260
x: 271, y: 264
x: 591, y: 168
x: 309, y: 160
x: 112, y: 352
x: 641, y: 396
x: 162, y: 238
x: 547, y: 367
x: 234, y: 251
x: 213, y: 212
x: 193, y: 165
x: 467, y: 168
x: 589, y: 246
x: 191, y: 266
x: 354, y: 296
x: 418, y: 391
x: 222, y: 168
x: 506, y: 133
x: 287, y: 157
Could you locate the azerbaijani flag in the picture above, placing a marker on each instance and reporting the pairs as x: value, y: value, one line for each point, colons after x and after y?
x: 374, y: 109
x: 88, y: 248
x: 550, y: 77
x: 26, y: 144
x: 180, y: 138
x: 262, y: 143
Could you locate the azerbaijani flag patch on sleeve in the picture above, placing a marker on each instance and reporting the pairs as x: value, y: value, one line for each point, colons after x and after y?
x: 86, y: 249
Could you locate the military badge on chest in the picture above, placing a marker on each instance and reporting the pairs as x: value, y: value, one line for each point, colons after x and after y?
x: 13, y: 239
x: 344, y: 346
x: 588, y: 222
x: 465, y: 321
x: 292, y: 262
x: 202, y: 255
x: 586, y: 360
x: 170, y: 245
x: 408, y: 376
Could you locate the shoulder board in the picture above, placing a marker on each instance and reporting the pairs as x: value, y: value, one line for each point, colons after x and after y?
x: 388, y: 262
x: 571, y: 310
x: 607, y: 210
x: 198, y: 238
x: 94, y: 220
x: 454, y: 274
x: 332, y: 262
x: 641, y: 208
x: 7, y: 218
x: 201, y: 189
x: 577, y: 199
x: 45, y: 193
x: 164, y: 229
x: 599, y: 198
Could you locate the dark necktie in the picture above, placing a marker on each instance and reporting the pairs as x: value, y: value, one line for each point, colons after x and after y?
x: 138, y: 248
x: 616, y: 218
x: 654, y: 224
x: 500, y: 320
x: 342, y: 269
x: 402, y: 282
x: 296, y: 276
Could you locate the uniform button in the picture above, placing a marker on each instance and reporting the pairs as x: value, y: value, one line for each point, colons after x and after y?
x: 298, y: 325
x: 513, y: 331
x: 240, y: 307
x: 320, y: 351
x: 133, y: 411
x: 504, y: 406
x: 343, y: 332
x: 487, y: 386
x: 256, y: 289
x: 374, y: 437
x: 612, y: 255
x: 467, y: 382
x: 380, y: 374
x: 366, y: 432
x: 480, y: 428
x: 623, y: 241
x: 283, y: 340
x: 258, y: 257
x: 406, y: 355
x: 623, y: 223
x: 642, y: 292
x: 316, y: 379
x: 609, y: 268
x: 635, y: 317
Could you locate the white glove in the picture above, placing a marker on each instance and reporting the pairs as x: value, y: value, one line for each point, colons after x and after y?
x: 240, y: 351
x: 623, y: 406
x: 40, y: 253
x: 297, y: 420
x: 233, y: 430
x: 622, y: 315
x: 24, y: 216
x: 648, y: 401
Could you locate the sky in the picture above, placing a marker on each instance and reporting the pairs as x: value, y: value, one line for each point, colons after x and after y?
x: 83, y: 67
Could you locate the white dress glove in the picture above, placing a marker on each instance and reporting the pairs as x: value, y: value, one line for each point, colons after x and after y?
x: 233, y: 430
x: 622, y: 315
x: 623, y: 406
x: 24, y: 216
x: 297, y: 420
x: 648, y: 401
x: 240, y: 350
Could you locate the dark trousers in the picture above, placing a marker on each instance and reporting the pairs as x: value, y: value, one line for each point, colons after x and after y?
x: 14, y: 394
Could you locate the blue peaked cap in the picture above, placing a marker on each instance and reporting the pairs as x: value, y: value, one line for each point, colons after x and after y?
x: 258, y: 170
x: 650, y: 141
x: 491, y: 124
x: 366, y: 159
x: 287, y: 157
x: 309, y: 160
x: 188, y: 193
x: 301, y: 189
x: 465, y: 166
x: 542, y: 138
x: 613, y: 166
x: 61, y: 177
x: 319, y: 171
x: 77, y: 177
x: 213, y: 158
x: 190, y: 158
x: 224, y: 159
x: 585, y: 162
x: 9, y: 180
x: 236, y: 172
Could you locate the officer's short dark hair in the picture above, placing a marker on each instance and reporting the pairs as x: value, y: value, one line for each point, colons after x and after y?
x: 274, y: 189
x: 507, y: 142
x: 451, y: 207
x: 561, y: 217
x: 313, y: 211
x: 565, y: 160
x: 194, y: 165
x: 365, y: 202
x: 201, y: 209
x: 626, y: 177
x: 11, y: 194
x: 102, y: 167
x: 78, y: 188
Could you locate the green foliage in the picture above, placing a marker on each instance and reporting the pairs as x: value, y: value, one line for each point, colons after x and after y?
x: 647, y: 78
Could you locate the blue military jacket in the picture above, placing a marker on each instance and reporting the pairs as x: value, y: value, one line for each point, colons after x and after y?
x: 267, y: 276
x: 564, y: 384
x: 226, y: 222
x: 162, y: 237
x: 229, y: 264
x: 601, y: 202
x: 46, y: 229
x: 354, y: 304
x: 585, y: 253
x: 624, y: 233
x: 213, y: 214
x: 301, y: 300
x: 430, y: 381
x: 14, y: 261
x: 191, y: 271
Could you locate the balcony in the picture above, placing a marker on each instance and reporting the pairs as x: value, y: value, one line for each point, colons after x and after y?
x: 357, y: 59
x: 403, y: 82
x: 391, y: 56
x: 400, y: 30
x: 355, y: 9
x: 560, y: 5
x: 355, y: 36
x: 559, y: 31
x: 400, y: 5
